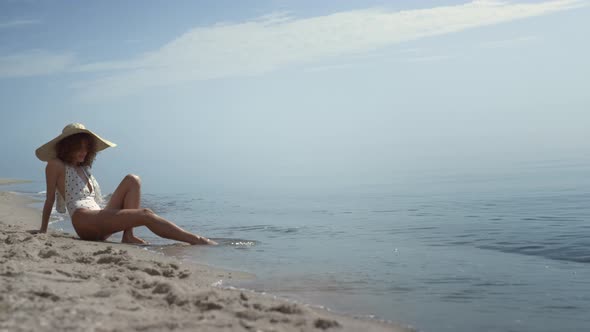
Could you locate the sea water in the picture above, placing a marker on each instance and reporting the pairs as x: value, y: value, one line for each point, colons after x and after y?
x: 488, y: 252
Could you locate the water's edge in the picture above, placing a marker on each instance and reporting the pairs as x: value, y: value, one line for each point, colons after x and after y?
x: 242, y: 282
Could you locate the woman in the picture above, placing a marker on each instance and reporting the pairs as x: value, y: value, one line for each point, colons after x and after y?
x: 69, y: 157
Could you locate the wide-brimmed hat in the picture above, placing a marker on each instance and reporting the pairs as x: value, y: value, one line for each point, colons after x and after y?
x: 47, y: 151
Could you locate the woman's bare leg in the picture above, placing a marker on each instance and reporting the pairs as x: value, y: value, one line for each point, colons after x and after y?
x: 92, y: 225
x: 127, y: 196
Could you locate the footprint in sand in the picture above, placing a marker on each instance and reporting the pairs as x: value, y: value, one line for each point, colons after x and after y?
x: 111, y: 259
x: 46, y: 294
x: 47, y: 253
x: 85, y: 260
x: 10, y: 269
x: 325, y: 324
x: 157, y: 269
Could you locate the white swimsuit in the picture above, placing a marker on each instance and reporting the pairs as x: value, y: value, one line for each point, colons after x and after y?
x: 77, y: 193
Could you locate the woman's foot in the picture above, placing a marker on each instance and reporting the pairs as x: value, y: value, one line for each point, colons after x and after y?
x: 204, y: 240
x: 132, y: 239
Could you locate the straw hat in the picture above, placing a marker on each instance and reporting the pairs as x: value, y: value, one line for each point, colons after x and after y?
x: 47, y: 151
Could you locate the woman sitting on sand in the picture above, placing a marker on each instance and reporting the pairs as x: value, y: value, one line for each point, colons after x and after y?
x: 69, y: 157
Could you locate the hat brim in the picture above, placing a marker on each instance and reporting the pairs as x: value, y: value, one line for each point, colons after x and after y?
x: 47, y: 151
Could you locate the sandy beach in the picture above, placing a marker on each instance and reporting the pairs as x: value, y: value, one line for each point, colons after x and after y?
x: 57, y: 282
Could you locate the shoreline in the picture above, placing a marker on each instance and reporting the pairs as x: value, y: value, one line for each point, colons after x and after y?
x: 13, y: 181
x: 57, y: 281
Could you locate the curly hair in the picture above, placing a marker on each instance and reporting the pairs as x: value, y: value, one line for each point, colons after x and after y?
x: 67, y: 147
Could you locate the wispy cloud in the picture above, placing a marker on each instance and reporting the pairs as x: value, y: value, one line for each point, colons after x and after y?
x: 17, y: 23
x: 401, y: 55
x: 330, y: 67
x: 430, y: 58
x: 509, y: 42
x: 34, y: 63
x: 265, y: 44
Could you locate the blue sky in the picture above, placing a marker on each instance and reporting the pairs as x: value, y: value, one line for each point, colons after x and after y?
x: 209, y: 94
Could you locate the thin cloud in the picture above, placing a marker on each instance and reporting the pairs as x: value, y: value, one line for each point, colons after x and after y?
x: 34, y: 63
x: 331, y: 67
x: 509, y: 42
x: 430, y: 58
x: 17, y: 23
x: 265, y: 44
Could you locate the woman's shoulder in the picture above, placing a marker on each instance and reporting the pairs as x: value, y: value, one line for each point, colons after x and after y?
x: 56, y: 164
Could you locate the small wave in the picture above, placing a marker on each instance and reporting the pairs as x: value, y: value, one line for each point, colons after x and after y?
x: 464, y: 295
x: 572, y: 252
x: 238, y: 243
x: 264, y: 228
x: 56, y: 217
x: 562, y: 307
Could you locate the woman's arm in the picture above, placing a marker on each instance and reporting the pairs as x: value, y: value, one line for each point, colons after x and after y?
x: 51, y: 175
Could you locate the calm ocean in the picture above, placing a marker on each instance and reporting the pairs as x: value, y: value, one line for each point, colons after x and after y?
x: 488, y: 252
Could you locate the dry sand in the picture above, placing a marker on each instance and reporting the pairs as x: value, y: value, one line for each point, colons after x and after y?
x: 56, y: 282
